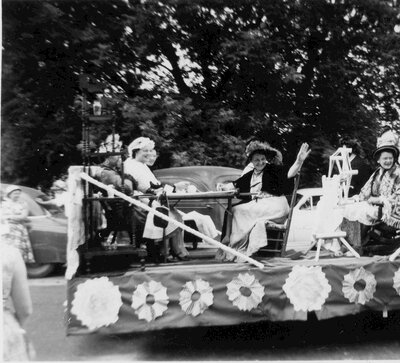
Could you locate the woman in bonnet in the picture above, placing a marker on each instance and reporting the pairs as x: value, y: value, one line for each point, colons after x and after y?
x: 139, y: 151
x: 377, y: 198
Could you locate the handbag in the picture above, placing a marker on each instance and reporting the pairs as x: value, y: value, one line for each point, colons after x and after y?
x: 164, y: 209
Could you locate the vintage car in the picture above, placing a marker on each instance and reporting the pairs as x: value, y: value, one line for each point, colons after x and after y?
x: 204, y: 178
x: 47, y: 232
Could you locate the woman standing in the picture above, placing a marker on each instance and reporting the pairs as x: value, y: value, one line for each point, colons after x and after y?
x: 17, y: 306
x: 13, y: 220
x: 267, y: 201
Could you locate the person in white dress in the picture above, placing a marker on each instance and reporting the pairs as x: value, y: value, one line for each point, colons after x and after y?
x: 17, y: 306
x: 267, y: 202
x: 139, y: 151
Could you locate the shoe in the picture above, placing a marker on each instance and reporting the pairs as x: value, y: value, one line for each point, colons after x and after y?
x: 170, y: 258
x: 183, y: 258
x: 143, y: 246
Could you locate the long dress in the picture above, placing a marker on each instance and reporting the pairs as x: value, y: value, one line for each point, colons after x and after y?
x: 146, y: 180
x: 14, y: 343
x: 15, y: 233
x: 248, y: 232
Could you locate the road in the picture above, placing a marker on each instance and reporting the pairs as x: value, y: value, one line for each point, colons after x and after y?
x: 365, y: 336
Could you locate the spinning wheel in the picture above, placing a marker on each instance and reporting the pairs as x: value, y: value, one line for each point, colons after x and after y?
x: 336, y: 191
x: 341, y: 159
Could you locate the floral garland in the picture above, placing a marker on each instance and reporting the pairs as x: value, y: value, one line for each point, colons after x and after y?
x: 307, y: 288
x: 196, y: 297
x: 245, y: 292
x: 359, y: 286
x: 97, y: 302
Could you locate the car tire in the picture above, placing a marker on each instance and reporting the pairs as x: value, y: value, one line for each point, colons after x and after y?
x: 37, y: 270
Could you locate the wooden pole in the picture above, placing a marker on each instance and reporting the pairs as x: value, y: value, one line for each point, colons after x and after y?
x: 173, y: 221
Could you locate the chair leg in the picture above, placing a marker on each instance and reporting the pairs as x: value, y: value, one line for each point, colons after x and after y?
x: 165, y: 243
x: 351, y: 249
x: 319, y: 244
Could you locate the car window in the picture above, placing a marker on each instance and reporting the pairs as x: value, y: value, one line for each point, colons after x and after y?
x: 172, y: 180
x: 310, y: 203
x: 226, y: 179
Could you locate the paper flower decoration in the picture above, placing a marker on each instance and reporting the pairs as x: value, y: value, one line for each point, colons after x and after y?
x: 195, y: 297
x: 150, y: 300
x: 307, y: 288
x: 245, y: 292
x: 97, y: 302
x: 396, y: 281
x: 359, y: 286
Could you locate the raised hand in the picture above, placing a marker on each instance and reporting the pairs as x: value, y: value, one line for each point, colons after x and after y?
x: 303, y: 152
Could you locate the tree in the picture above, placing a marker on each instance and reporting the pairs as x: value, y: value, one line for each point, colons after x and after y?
x: 200, y: 77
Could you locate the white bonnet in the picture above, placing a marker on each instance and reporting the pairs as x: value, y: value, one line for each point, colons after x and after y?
x: 140, y: 143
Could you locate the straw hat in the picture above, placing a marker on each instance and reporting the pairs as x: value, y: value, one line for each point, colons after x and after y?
x: 266, y: 149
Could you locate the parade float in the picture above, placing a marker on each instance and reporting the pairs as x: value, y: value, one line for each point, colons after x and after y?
x: 106, y: 294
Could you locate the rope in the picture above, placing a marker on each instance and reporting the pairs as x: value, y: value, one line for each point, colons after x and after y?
x: 173, y: 221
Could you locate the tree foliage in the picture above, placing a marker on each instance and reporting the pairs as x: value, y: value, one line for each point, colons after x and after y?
x: 199, y: 77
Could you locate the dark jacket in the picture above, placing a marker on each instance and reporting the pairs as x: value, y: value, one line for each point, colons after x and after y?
x: 274, y: 181
x: 110, y: 176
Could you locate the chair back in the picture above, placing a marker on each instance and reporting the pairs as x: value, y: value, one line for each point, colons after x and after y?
x: 289, y: 218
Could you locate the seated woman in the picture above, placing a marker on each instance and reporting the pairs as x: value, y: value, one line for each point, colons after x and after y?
x: 379, y: 196
x: 250, y: 167
x: 120, y: 216
x: 136, y: 166
x: 266, y: 182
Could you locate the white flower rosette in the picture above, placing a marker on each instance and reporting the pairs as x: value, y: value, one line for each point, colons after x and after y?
x: 396, y: 281
x: 196, y: 297
x: 359, y: 286
x: 97, y: 302
x: 150, y: 300
x: 245, y: 292
x: 307, y: 288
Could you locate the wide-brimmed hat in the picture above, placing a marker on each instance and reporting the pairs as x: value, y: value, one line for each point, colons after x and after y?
x: 140, y: 143
x: 266, y: 149
x: 12, y: 188
x: 388, y: 141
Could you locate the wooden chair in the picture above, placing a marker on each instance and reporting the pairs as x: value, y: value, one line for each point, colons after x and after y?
x: 278, y: 231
